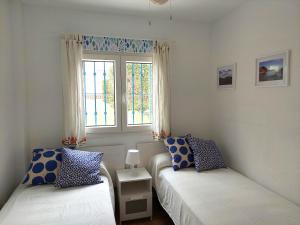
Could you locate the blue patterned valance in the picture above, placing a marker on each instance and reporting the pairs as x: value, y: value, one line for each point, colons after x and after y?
x: 108, y: 44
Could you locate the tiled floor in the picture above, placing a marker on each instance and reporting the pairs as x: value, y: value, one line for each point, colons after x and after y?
x: 160, y: 217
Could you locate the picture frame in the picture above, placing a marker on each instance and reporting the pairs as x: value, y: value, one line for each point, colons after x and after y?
x: 226, y: 76
x: 273, y: 70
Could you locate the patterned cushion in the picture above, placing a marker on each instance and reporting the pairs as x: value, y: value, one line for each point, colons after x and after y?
x: 79, y: 168
x: 207, y: 156
x: 44, y: 166
x: 181, y: 153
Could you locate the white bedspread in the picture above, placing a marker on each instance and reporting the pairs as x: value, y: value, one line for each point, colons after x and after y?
x: 218, y: 197
x: 47, y: 205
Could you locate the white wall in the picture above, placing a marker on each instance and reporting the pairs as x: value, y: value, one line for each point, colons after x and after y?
x: 259, y: 128
x: 18, y: 66
x: 7, y: 172
x: 43, y: 27
x: 11, y: 129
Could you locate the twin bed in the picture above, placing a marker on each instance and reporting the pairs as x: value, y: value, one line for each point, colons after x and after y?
x: 47, y: 205
x: 217, y: 197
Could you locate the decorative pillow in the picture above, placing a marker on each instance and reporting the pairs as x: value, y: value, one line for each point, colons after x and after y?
x: 182, y: 156
x: 207, y: 156
x: 44, y: 166
x: 79, y: 168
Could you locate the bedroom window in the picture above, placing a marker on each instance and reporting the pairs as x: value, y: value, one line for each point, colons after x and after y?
x: 101, y: 81
x: 117, y: 93
x: 137, y: 90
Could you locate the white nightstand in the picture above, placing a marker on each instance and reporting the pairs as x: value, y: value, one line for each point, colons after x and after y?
x: 135, y: 193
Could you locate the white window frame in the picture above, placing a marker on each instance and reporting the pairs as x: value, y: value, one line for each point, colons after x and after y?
x: 120, y: 60
x: 138, y: 59
x: 118, y: 99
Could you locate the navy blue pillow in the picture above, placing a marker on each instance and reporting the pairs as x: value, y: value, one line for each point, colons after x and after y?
x: 44, y: 166
x: 79, y: 168
x: 181, y: 153
x: 207, y: 156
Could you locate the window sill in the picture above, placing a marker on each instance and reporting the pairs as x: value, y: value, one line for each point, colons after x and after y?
x: 103, y: 135
x: 119, y: 130
x: 102, y: 130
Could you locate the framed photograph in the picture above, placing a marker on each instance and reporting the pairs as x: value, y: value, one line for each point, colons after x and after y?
x: 226, y: 76
x: 273, y: 70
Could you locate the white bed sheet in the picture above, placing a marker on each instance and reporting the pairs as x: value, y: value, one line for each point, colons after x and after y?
x: 47, y: 205
x: 218, y: 197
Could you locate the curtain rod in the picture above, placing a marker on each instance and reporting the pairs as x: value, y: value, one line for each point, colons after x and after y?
x: 171, y: 43
x: 63, y: 35
x: 107, y: 36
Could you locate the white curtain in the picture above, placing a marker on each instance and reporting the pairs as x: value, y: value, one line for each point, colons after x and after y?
x: 161, y: 91
x: 74, y: 129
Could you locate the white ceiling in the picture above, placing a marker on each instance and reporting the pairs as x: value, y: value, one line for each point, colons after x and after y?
x: 191, y: 10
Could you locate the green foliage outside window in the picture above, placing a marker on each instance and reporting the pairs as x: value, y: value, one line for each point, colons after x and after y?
x: 139, y: 88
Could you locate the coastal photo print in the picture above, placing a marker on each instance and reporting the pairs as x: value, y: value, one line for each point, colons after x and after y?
x: 273, y: 70
x: 226, y: 76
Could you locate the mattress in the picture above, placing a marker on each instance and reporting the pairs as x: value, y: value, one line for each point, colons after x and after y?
x: 218, y: 197
x: 47, y: 205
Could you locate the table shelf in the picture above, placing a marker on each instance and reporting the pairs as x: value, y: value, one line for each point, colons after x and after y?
x: 135, y: 194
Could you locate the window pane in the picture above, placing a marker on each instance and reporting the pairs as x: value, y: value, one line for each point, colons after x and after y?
x: 99, y: 92
x: 139, y: 93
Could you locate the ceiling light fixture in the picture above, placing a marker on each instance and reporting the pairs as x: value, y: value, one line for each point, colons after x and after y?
x: 160, y: 2
x: 171, y: 17
x: 149, y: 20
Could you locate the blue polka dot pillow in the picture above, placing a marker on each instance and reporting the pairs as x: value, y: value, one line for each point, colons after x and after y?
x: 182, y: 156
x: 79, y: 168
x: 206, y: 154
x: 44, y: 166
